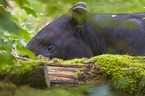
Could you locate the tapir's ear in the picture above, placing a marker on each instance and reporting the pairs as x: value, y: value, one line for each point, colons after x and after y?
x: 78, y: 13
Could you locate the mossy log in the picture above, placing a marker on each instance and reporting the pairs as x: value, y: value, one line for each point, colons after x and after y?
x: 64, y: 74
x: 47, y: 75
x: 34, y: 78
x: 55, y: 74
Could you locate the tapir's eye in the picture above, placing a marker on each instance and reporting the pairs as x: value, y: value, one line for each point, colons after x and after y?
x: 51, y: 48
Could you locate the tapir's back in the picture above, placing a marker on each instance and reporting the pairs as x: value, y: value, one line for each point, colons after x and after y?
x: 124, y: 31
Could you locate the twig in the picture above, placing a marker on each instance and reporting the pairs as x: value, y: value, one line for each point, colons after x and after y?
x: 127, y: 69
x: 22, y: 58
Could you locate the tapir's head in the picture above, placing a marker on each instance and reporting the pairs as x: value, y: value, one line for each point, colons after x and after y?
x: 61, y: 38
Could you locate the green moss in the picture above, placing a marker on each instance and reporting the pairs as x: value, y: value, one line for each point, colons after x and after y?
x: 55, y: 60
x: 20, y: 67
x: 76, y: 61
x: 73, y: 61
x: 126, y: 72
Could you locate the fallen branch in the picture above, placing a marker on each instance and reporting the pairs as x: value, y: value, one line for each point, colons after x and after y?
x: 22, y: 58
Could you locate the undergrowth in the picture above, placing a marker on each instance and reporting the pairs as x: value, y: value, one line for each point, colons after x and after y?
x: 125, y: 72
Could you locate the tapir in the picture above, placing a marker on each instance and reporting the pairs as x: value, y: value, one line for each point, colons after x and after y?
x: 79, y: 34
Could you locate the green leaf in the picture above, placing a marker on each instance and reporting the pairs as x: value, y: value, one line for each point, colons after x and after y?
x: 3, y: 66
x: 29, y: 11
x: 6, y: 59
x: 4, y: 3
x: 26, y: 52
x: 130, y: 24
x: 14, y: 18
x: 7, y: 24
x: 25, y: 2
x: 21, y: 2
x: 24, y: 34
x: 5, y: 45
